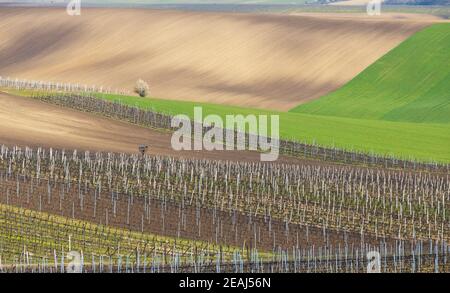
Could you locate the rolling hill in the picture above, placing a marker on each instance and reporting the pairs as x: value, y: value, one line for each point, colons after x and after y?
x: 218, y: 60
x: 420, y: 141
x: 264, y: 61
x: 409, y: 84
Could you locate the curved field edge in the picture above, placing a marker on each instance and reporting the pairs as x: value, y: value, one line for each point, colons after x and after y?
x: 42, y: 234
x: 414, y: 141
x: 263, y: 61
x: 410, y: 84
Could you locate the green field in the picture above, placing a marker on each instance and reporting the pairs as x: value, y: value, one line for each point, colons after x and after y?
x: 409, y: 84
x: 399, y: 106
x: 418, y: 141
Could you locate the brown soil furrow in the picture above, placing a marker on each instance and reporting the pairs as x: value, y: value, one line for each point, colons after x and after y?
x: 256, y: 60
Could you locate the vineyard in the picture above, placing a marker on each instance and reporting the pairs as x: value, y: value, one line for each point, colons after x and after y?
x: 88, y: 102
x: 215, y: 145
x: 339, y: 211
x: 345, y: 141
x: 157, y: 214
x: 38, y: 85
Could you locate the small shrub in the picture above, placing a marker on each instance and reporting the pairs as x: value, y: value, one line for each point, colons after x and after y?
x: 142, y: 88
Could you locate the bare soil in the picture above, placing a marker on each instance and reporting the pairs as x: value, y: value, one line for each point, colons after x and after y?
x: 28, y: 122
x: 257, y: 60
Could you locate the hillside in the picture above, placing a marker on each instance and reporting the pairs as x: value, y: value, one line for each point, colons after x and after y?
x: 253, y: 60
x: 411, y: 84
x: 30, y: 122
x: 426, y: 142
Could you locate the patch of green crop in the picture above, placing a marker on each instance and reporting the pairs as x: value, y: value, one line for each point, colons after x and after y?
x: 409, y: 84
x: 418, y: 141
x: 421, y: 141
x: 399, y: 106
